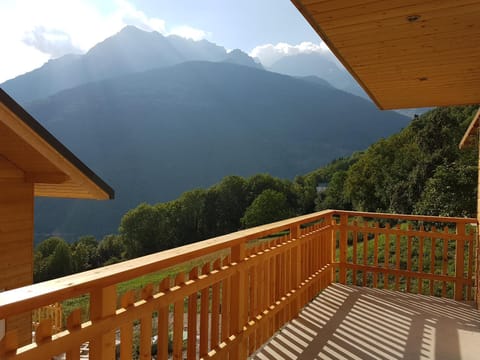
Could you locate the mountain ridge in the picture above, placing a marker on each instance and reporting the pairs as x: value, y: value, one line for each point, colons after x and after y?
x: 130, y: 50
x: 154, y: 134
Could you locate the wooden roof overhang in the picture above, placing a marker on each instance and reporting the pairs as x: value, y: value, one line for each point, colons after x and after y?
x: 404, y: 53
x: 29, y: 152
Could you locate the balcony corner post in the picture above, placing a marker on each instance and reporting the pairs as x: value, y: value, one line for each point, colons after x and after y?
x: 239, y: 303
x: 459, y: 262
x: 343, y: 248
x: 331, y: 248
x: 103, y: 303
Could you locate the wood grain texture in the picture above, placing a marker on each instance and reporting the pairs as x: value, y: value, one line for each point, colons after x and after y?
x: 404, y: 53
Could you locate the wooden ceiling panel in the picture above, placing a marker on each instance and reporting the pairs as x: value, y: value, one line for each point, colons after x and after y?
x: 403, y: 48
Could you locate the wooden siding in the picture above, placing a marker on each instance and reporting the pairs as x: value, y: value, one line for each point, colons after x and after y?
x: 16, y: 242
x: 404, y: 53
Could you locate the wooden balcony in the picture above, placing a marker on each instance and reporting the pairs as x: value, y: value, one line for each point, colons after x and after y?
x: 225, y: 297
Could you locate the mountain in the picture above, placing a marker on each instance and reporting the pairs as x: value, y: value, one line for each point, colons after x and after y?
x: 238, y: 57
x: 131, y: 50
x: 155, y: 134
x: 315, y: 64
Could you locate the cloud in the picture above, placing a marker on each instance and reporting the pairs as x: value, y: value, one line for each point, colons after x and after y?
x: 269, y: 53
x: 51, y: 41
x: 32, y: 32
x: 189, y: 32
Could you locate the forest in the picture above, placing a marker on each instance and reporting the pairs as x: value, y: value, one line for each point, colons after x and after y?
x: 419, y: 170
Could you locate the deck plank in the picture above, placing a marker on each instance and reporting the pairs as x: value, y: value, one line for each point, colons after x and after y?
x: 350, y: 322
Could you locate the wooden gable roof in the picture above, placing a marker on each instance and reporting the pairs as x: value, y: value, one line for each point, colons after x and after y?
x: 404, y: 53
x: 29, y: 151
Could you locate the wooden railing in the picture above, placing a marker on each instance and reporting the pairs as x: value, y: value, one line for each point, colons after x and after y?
x: 419, y: 254
x: 233, y: 292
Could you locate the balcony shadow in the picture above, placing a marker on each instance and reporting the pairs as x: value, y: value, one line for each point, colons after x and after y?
x: 349, y: 322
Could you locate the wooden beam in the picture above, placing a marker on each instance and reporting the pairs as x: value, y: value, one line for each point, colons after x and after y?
x: 46, y: 178
x: 8, y: 170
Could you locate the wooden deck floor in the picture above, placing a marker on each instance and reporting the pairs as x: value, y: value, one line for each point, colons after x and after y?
x: 355, y: 323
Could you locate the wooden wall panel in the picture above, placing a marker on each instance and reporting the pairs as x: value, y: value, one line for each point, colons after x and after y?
x: 16, y: 246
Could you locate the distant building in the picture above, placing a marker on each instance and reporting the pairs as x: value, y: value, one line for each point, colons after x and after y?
x: 321, y: 187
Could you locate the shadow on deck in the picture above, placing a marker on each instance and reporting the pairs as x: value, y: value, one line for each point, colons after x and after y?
x: 350, y: 322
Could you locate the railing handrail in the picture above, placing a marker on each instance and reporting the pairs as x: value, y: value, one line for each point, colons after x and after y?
x: 37, y: 295
x: 426, y: 218
x: 41, y: 294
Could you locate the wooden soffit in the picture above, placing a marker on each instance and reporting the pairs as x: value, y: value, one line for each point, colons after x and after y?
x: 28, y: 152
x: 404, y: 53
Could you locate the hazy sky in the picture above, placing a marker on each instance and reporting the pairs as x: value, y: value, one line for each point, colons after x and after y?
x: 34, y: 31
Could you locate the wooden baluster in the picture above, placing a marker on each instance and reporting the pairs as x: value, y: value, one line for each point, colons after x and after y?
x: 343, y: 248
x: 252, y: 311
x: 332, y: 247
x: 397, y: 257
x: 44, y: 331
x: 354, y: 253
x: 420, y: 261
x: 272, y: 284
x: 74, y: 322
x: 216, y: 308
x: 239, y: 304
x: 103, y: 303
x: 126, y: 330
x: 386, y: 263
x: 9, y: 344
x: 192, y: 318
x: 204, y: 307
x: 445, y: 261
x: 178, y: 313
x: 146, y: 326
x: 432, y: 258
x: 365, y: 258
x: 409, y: 258
x: 470, y: 268
x: 162, y: 328
x: 276, y: 287
x: 261, y: 304
x: 266, y: 300
x: 375, y: 255
x: 459, y: 262
x: 226, y: 296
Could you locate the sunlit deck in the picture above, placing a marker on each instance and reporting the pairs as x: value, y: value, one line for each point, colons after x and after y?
x: 351, y: 322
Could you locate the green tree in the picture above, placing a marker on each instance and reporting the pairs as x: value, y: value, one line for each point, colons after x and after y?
x: 111, y: 249
x: 268, y: 207
x: 145, y: 230
x: 225, y: 204
x: 334, y: 197
x: 187, y: 217
x: 52, y: 259
x: 450, y: 192
x: 85, y: 253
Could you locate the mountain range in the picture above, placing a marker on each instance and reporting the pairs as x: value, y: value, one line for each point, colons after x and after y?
x: 155, y: 116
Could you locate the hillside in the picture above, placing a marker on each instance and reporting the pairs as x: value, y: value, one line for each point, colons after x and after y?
x: 155, y: 134
x: 419, y: 170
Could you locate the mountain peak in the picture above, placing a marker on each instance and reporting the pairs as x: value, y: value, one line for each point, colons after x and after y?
x: 238, y: 57
x: 129, y: 51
